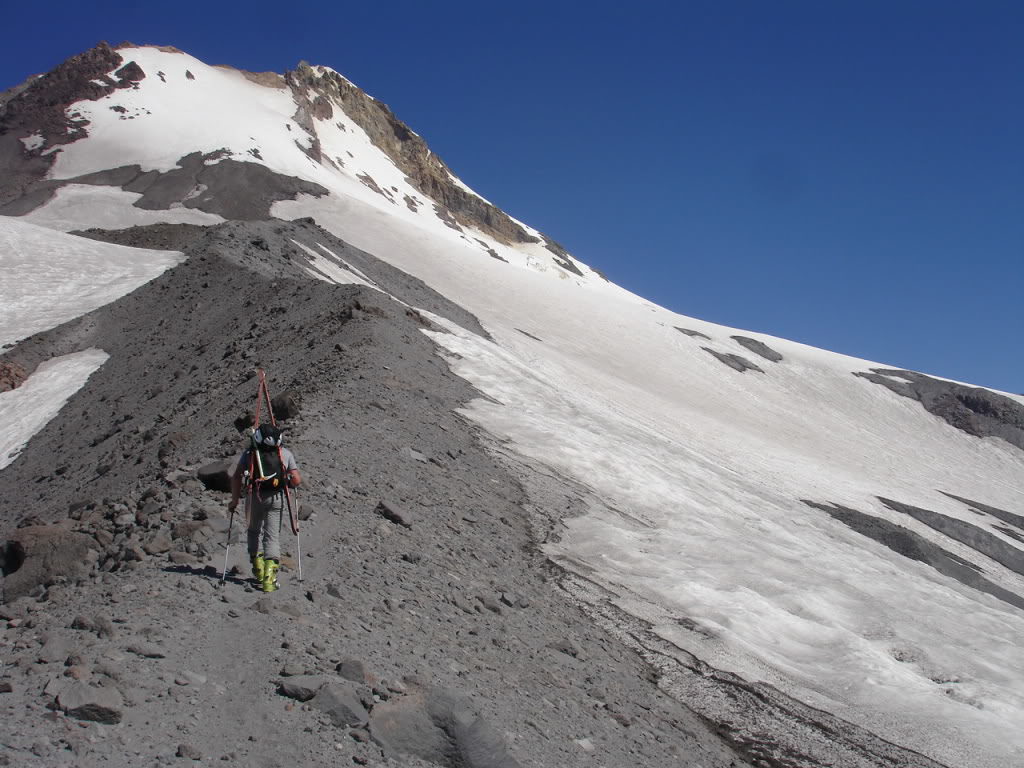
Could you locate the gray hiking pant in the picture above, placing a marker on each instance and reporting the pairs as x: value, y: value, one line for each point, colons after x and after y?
x: 265, y: 525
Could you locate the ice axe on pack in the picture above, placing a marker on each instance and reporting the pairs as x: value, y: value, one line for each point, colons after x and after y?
x: 263, y: 399
x: 256, y: 469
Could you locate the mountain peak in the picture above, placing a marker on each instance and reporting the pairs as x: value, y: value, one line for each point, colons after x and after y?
x: 148, y: 108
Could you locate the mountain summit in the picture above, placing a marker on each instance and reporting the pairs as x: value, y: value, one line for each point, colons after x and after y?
x: 544, y: 521
x: 155, y: 122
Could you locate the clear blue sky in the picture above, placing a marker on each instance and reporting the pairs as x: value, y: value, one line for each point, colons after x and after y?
x: 849, y: 174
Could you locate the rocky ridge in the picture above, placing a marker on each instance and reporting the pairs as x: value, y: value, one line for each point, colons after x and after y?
x: 407, y: 150
x: 426, y: 631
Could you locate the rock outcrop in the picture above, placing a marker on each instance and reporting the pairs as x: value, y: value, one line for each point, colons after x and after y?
x: 38, y: 107
x: 407, y: 150
x: 974, y: 410
x: 38, y: 556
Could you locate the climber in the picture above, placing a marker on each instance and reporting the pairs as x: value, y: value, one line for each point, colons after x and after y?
x: 264, y: 470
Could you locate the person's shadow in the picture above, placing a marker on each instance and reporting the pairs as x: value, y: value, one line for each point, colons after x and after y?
x: 210, y: 573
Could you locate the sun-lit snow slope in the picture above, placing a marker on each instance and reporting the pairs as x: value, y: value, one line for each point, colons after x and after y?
x: 47, y: 277
x: 704, y: 467
x: 184, y: 106
x: 27, y: 409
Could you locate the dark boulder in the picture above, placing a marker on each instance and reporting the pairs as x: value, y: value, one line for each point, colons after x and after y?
x: 83, y: 702
x: 694, y: 334
x: 736, y: 362
x: 758, y: 348
x: 440, y: 726
x: 216, y: 476
x: 341, y: 703
x: 39, y: 556
x: 130, y: 73
x: 974, y: 410
x: 285, y: 405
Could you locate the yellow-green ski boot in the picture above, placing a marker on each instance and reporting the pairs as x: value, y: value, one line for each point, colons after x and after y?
x: 259, y: 566
x: 270, y: 568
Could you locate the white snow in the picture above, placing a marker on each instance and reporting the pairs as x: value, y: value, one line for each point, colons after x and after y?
x: 701, y: 468
x: 35, y: 141
x: 222, y: 109
x: 47, y: 277
x: 81, y: 206
x: 462, y: 185
x: 183, y: 116
x: 334, y: 269
x: 706, y: 468
x: 26, y: 410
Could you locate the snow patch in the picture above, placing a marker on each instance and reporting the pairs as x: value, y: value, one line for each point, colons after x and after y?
x: 84, y: 206
x: 48, y: 278
x: 33, y: 142
x: 335, y: 269
x: 26, y: 410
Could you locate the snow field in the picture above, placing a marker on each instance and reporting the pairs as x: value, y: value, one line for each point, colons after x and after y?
x: 26, y: 410
x: 84, y: 206
x: 704, y: 468
x: 49, y: 277
x: 707, y: 529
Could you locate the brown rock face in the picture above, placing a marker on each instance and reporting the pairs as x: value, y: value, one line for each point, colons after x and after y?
x: 409, y: 152
x: 39, y: 106
x: 12, y: 376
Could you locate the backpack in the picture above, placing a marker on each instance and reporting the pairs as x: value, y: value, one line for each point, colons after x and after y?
x: 268, y: 473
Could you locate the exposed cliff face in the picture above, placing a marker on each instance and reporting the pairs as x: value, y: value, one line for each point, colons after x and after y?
x: 409, y: 152
x: 41, y: 102
x: 976, y: 411
x: 38, y: 108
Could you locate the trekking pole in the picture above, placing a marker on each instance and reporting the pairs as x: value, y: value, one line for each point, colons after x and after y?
x: 227, y: 546
x: 298, y: 546
x: 293, y: 515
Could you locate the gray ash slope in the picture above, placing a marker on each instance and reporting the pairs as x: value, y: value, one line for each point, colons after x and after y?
x: 438, y: 641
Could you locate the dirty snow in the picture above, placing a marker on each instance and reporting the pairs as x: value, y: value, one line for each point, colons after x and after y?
x: 26, y: 410
x: 82, y: 206
x: 48, y: 277
x: 35, y: 141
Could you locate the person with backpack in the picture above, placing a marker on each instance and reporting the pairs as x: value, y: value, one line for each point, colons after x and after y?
x: 264, y: 469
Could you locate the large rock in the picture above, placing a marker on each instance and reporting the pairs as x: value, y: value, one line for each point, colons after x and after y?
x: 39, y: 556
x: 394, y: 513
x: 158, y: 545
x: 302, y: 687
x: 82, y: 701
x: 216, y: 476
x: 440, y: 726
x: 759, y: 348
x: 340, y: 701
x: 285, y: 405
x: 736, y: 362
x: 56, y: 648
x: 976, y: 411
